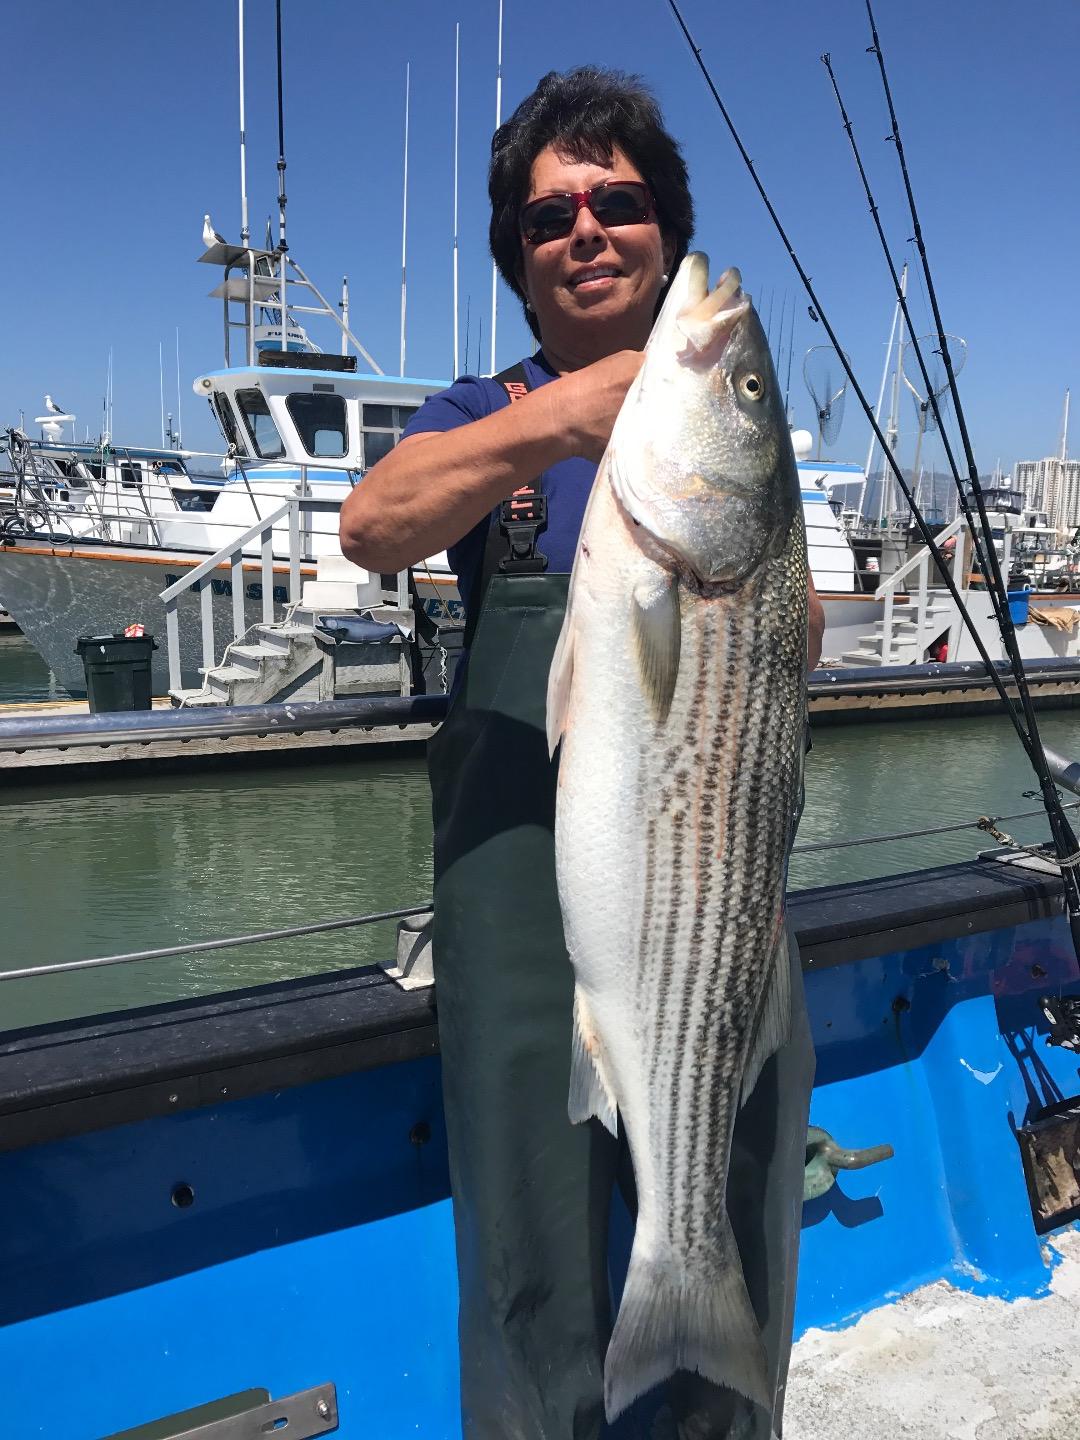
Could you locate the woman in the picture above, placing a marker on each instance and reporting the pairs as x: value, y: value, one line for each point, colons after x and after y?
x: 591, y: 215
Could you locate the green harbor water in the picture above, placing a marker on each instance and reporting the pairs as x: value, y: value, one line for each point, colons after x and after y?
x: 113, y: 865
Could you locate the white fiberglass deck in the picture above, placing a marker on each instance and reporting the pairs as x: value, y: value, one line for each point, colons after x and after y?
x: 942, y: 1364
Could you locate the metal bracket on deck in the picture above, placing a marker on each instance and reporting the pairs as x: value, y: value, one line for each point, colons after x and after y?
x: 824, y: 1157
x: 302, y: 1416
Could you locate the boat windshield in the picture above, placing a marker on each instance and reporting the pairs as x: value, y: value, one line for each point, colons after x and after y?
x: 219, y: 403
x: 383, y: 425
x: 320, y: 422
x: 259, y: 424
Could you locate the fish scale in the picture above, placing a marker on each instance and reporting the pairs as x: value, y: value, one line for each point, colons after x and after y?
x: 678, y: 694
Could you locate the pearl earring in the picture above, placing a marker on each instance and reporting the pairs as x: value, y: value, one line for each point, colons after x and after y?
x: 528, y: 305
x: 664, y: 278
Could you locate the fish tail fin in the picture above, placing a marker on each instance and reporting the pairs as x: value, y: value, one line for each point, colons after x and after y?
x: 590, y: 1087
x: 672, y: 1321
x: 774, y: 1019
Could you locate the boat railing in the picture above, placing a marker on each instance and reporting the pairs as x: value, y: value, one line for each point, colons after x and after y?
x: 919, y: 568
x: 293, y: 515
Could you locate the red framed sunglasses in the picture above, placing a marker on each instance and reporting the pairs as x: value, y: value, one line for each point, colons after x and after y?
x: 614, y: 202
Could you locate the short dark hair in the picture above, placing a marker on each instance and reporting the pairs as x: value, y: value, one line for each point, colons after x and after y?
x: 585, y: 114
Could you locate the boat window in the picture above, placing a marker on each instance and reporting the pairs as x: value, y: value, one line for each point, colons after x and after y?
x: 320, y: 420
x: 383, y: 425
x: 219, y: 404
x: 131, y: 475
x: 259, y: 424
x: 96, y: 468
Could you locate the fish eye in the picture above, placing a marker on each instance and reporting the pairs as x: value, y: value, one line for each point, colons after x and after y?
x: 751, y: 386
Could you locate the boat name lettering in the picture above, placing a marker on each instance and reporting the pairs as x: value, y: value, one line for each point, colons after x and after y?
x: 251, y: 592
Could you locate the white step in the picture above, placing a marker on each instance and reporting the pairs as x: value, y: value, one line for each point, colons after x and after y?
x: 251, y: 657
x: 194, y: 699
x: 340, y: 595
x: 336, y: 567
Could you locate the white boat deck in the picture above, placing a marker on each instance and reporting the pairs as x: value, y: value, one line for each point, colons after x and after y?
x: 942, y: 1364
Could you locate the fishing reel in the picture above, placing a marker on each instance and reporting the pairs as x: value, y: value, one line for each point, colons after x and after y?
x: 1063, y: 1014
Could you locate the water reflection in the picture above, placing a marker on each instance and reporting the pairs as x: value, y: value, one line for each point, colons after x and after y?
x: 108, y: 866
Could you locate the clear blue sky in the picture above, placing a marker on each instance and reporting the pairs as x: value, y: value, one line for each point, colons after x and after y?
x: 121, y: 131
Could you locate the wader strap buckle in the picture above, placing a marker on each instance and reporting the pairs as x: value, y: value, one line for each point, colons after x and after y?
x: 521, y: 518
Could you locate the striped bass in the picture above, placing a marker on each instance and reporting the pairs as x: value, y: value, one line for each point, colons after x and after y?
x: 677, y: 692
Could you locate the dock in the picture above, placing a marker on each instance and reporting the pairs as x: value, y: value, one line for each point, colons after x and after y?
x: 61, y: 740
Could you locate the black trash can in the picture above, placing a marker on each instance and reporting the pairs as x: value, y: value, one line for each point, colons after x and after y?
x: 117, y: 669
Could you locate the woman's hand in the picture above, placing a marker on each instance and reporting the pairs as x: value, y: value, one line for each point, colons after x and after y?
x: 585, y: 402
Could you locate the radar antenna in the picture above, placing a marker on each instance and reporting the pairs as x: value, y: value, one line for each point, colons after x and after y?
x: 827, y: 384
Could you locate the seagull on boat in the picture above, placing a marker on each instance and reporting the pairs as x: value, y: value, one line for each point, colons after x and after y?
x: 51, y: 405
x: 210, y: 236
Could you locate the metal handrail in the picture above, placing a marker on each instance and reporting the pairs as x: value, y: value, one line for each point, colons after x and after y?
x: 29, y: 972
x: 232, y: 554
x: 920, y: 562
x: 290, y: 717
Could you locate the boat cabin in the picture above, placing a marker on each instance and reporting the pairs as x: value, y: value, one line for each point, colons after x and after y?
x: 297, y: 408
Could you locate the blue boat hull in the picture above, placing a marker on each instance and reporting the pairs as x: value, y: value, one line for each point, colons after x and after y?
x: 279, y: 1216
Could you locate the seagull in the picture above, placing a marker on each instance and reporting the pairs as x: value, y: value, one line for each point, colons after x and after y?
x: 50, y: 404
x: 210, y: 236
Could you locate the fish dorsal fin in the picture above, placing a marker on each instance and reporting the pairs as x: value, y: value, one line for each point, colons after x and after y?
x: 657, y: 627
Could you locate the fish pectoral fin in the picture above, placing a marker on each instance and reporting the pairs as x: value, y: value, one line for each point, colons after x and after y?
x: 590, y: 1087
x: 670, y: 1320
x: 657, y: 627
x: 774, y: 1018
x: 560, y: 681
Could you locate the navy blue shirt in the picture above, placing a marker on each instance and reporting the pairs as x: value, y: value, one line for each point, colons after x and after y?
x: 566, y: 485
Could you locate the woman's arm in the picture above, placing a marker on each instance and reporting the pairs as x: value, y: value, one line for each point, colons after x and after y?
x: 433, y: 488
x: 815, y: 629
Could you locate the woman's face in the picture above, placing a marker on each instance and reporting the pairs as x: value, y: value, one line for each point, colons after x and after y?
x: 594, y: 291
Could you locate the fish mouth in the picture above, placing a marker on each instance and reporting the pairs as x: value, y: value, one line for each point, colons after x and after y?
x: 708, y: 320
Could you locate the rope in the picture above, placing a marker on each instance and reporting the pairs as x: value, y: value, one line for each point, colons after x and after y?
x: 1040, y: 852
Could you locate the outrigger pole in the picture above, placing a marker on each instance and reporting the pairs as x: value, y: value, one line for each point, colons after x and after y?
x: 282, y: 244
x: 1065, y: 842
x: 245, y: 232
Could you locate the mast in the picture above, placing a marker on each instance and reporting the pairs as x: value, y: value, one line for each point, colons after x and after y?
x: 404, y: 217
x: 245, y: 233
x: 498, y: 122
x: 1065, y: 430
x: 282, y: 243
x: 880, y: 399
x: 344, y: 305
x: 457, y: 66
x: 179, y: 425
x: 892, y: 430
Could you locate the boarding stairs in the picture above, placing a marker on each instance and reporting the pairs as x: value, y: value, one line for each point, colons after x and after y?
x: 342, y: 636
x: 905, y: 631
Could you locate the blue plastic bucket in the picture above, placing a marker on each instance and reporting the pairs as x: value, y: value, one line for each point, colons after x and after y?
x: 1018, y: 606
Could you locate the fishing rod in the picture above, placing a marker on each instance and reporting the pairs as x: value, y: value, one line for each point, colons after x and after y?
x: 817, y: 313
x: 931, y: 390
x: 1065, y: 842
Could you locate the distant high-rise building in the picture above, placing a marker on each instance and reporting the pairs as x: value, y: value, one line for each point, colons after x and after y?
x: 1052, y: 485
